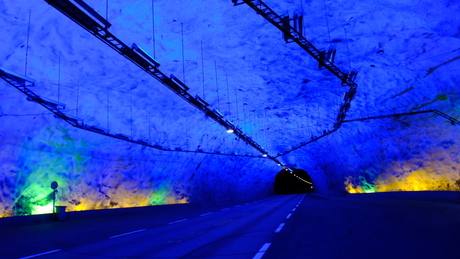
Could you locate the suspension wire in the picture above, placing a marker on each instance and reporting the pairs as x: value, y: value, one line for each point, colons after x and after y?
x: 265, y: 130
x: 228, y: 94
x: 327, y: 23
x: 108, y: 108
x: 202, y: 69
x: 78, y: 93
x: 59, y: 76
x: 107, y: 10
x: 163, y: 126
x: 153, y: 29
x: 27, y: 44
x: 348, y: 50
x: 236, y: 102
x: 131, y: 111
x: 183, y: 51
x: 217, y: 85
x: 244, y: 113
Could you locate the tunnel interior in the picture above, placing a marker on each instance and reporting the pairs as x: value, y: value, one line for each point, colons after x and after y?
x: 85, y: 103
x: 290, y: 181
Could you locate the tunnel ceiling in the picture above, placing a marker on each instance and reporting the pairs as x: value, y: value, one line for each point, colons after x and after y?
x: 406, y: 54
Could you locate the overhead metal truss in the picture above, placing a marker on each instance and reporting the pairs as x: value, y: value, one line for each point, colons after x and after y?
x: 325, y: 59
x: 98, y: 26
x: 451, y: 119
x: 23, y: 83
x: 293, y: 35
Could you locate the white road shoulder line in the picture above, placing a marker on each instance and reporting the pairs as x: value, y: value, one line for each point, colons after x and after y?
x: 45, y: 253
x: 124, y: 234
x: 224, y: 209
x: 206, y: 214
x: 262, y: 251
x: 177, y: 221
x: 279, y: 228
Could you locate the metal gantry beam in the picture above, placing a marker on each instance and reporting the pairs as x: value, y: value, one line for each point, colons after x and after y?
x: 325, y: 59
x: 23, y: 83
x: 98, y: 26
x: 293, y: 34
x: 452, y: 120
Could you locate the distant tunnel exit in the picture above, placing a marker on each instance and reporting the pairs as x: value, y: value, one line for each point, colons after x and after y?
x: 295, y: 181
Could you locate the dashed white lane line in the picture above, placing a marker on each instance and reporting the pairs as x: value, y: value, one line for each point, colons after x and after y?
x: 124, y: 234
x: 224, y: 209
x: 279, y: 228
x: 289, y: 215
x: 262, y: 251
x: 177, y: 221
x: 206, y: 214
x: 293, y: 209
x: 40, y: 254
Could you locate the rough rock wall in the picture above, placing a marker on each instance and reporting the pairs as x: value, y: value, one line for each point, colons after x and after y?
x: 406, y: 54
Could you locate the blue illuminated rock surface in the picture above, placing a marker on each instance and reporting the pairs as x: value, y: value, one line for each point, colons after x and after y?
x: 406, y: 53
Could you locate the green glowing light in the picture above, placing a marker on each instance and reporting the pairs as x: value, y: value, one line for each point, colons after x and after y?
x: 48, y: 208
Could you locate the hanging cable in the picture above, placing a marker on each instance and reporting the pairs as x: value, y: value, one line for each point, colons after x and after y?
x: 153, y: 29
x: 107, y: 10
x: 348, y: 50
x: 183, y: 51
x: 236, y: 102
x: 202, y: 69
x: 228, y: 95
x: 327, y: 23
x: 217, y: 85
x: 131, y: 111
x: 59, y: 76
x: 78, y: 93
x: 108, y: 109
x: 27, y: 44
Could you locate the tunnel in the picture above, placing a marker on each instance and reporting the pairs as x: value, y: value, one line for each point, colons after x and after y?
x: 200, y: 110
x: 291, y: 181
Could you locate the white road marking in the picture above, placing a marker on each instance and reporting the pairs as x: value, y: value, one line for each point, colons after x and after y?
x: 45, y: 253
x: 132, y: 232
x: 206, y: 214
x: 289, y: 215
x: 224, y: 209
x: 262, y: 251
x: 293, y: 209
x: 279, y: 228
x: 177, y: 221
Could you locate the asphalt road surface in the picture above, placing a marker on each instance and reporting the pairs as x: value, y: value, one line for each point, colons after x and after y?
x: 285, y: 226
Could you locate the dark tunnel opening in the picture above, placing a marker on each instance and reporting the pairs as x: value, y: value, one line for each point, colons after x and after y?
x: 293, y: 181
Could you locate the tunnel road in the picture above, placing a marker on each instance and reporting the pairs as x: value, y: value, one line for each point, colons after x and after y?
x: 288, y: 226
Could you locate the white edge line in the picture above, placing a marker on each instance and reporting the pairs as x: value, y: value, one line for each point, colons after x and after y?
x: 224, y: 209
x: 262, y: 251
x: 124, y: 234
x: 177, y: 221
x: 279, y: 228
x: 206, y: 214
x: 45, y: 253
